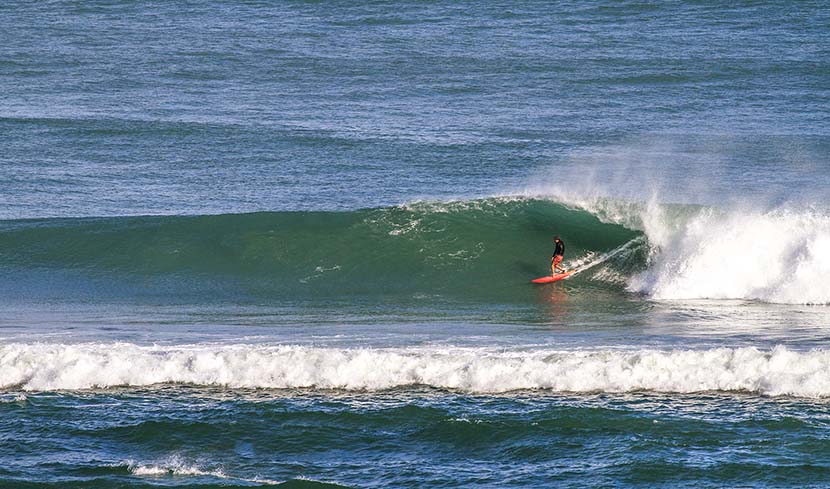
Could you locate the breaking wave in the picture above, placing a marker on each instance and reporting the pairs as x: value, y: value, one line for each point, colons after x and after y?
x: 478, y: 250
x: 778, y: 371
x: 778, y: 256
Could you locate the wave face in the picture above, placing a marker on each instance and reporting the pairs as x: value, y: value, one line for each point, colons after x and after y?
x: 480, y: 248
x: 779, y: 371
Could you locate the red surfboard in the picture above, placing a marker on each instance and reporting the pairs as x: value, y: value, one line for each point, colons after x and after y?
x: 552, y: 278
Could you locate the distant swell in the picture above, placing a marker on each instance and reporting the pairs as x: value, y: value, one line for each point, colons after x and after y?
x: 779, y: 371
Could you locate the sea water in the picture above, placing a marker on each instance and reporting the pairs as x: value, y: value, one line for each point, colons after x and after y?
x: 290, y: 243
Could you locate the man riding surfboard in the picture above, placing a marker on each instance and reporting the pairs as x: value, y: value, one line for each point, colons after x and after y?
x: 558, y: 255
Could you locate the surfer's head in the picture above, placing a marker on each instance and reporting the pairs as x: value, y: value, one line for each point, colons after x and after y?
x: 556, y: 238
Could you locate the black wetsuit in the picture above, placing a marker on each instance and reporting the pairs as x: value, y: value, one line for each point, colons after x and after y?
x: 560, y: 249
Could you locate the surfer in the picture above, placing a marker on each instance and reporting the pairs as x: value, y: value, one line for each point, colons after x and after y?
x: 558, y: 254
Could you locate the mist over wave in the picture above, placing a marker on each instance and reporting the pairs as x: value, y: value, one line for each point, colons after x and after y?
x: 714, y: 229
x: 779, y: 371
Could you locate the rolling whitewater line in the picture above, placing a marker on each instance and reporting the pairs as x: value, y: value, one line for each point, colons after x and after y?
x: 776, y: 371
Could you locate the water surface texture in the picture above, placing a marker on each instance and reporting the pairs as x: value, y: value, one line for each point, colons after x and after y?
x: 266, y: 243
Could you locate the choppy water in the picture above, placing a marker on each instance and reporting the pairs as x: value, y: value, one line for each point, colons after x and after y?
x: 259, y: 243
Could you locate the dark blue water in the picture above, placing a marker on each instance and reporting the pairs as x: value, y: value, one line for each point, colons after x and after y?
x: 257, y: 243
x: 129, y: 107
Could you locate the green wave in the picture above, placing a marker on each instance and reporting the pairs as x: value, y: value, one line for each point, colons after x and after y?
x: 480, y: 248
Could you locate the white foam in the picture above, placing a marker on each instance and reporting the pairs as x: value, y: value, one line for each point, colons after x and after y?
x: 778, y: 256
x: 15, y: 398
x: 172, y: 466
x: 177, y: 466
x: 779, y: 371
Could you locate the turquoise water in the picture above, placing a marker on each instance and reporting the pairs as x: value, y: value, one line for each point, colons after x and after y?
x: 290, y: 243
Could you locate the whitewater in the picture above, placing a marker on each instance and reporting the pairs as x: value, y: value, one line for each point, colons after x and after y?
x: 780, y: 255
x: 290, y: 244
x: 479, y: 249
x: 779, y: 371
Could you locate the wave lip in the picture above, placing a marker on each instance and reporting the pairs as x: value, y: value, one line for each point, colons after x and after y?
x: 779, y: 371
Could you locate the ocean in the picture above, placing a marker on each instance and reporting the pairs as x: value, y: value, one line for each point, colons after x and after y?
x: 289, y: 243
